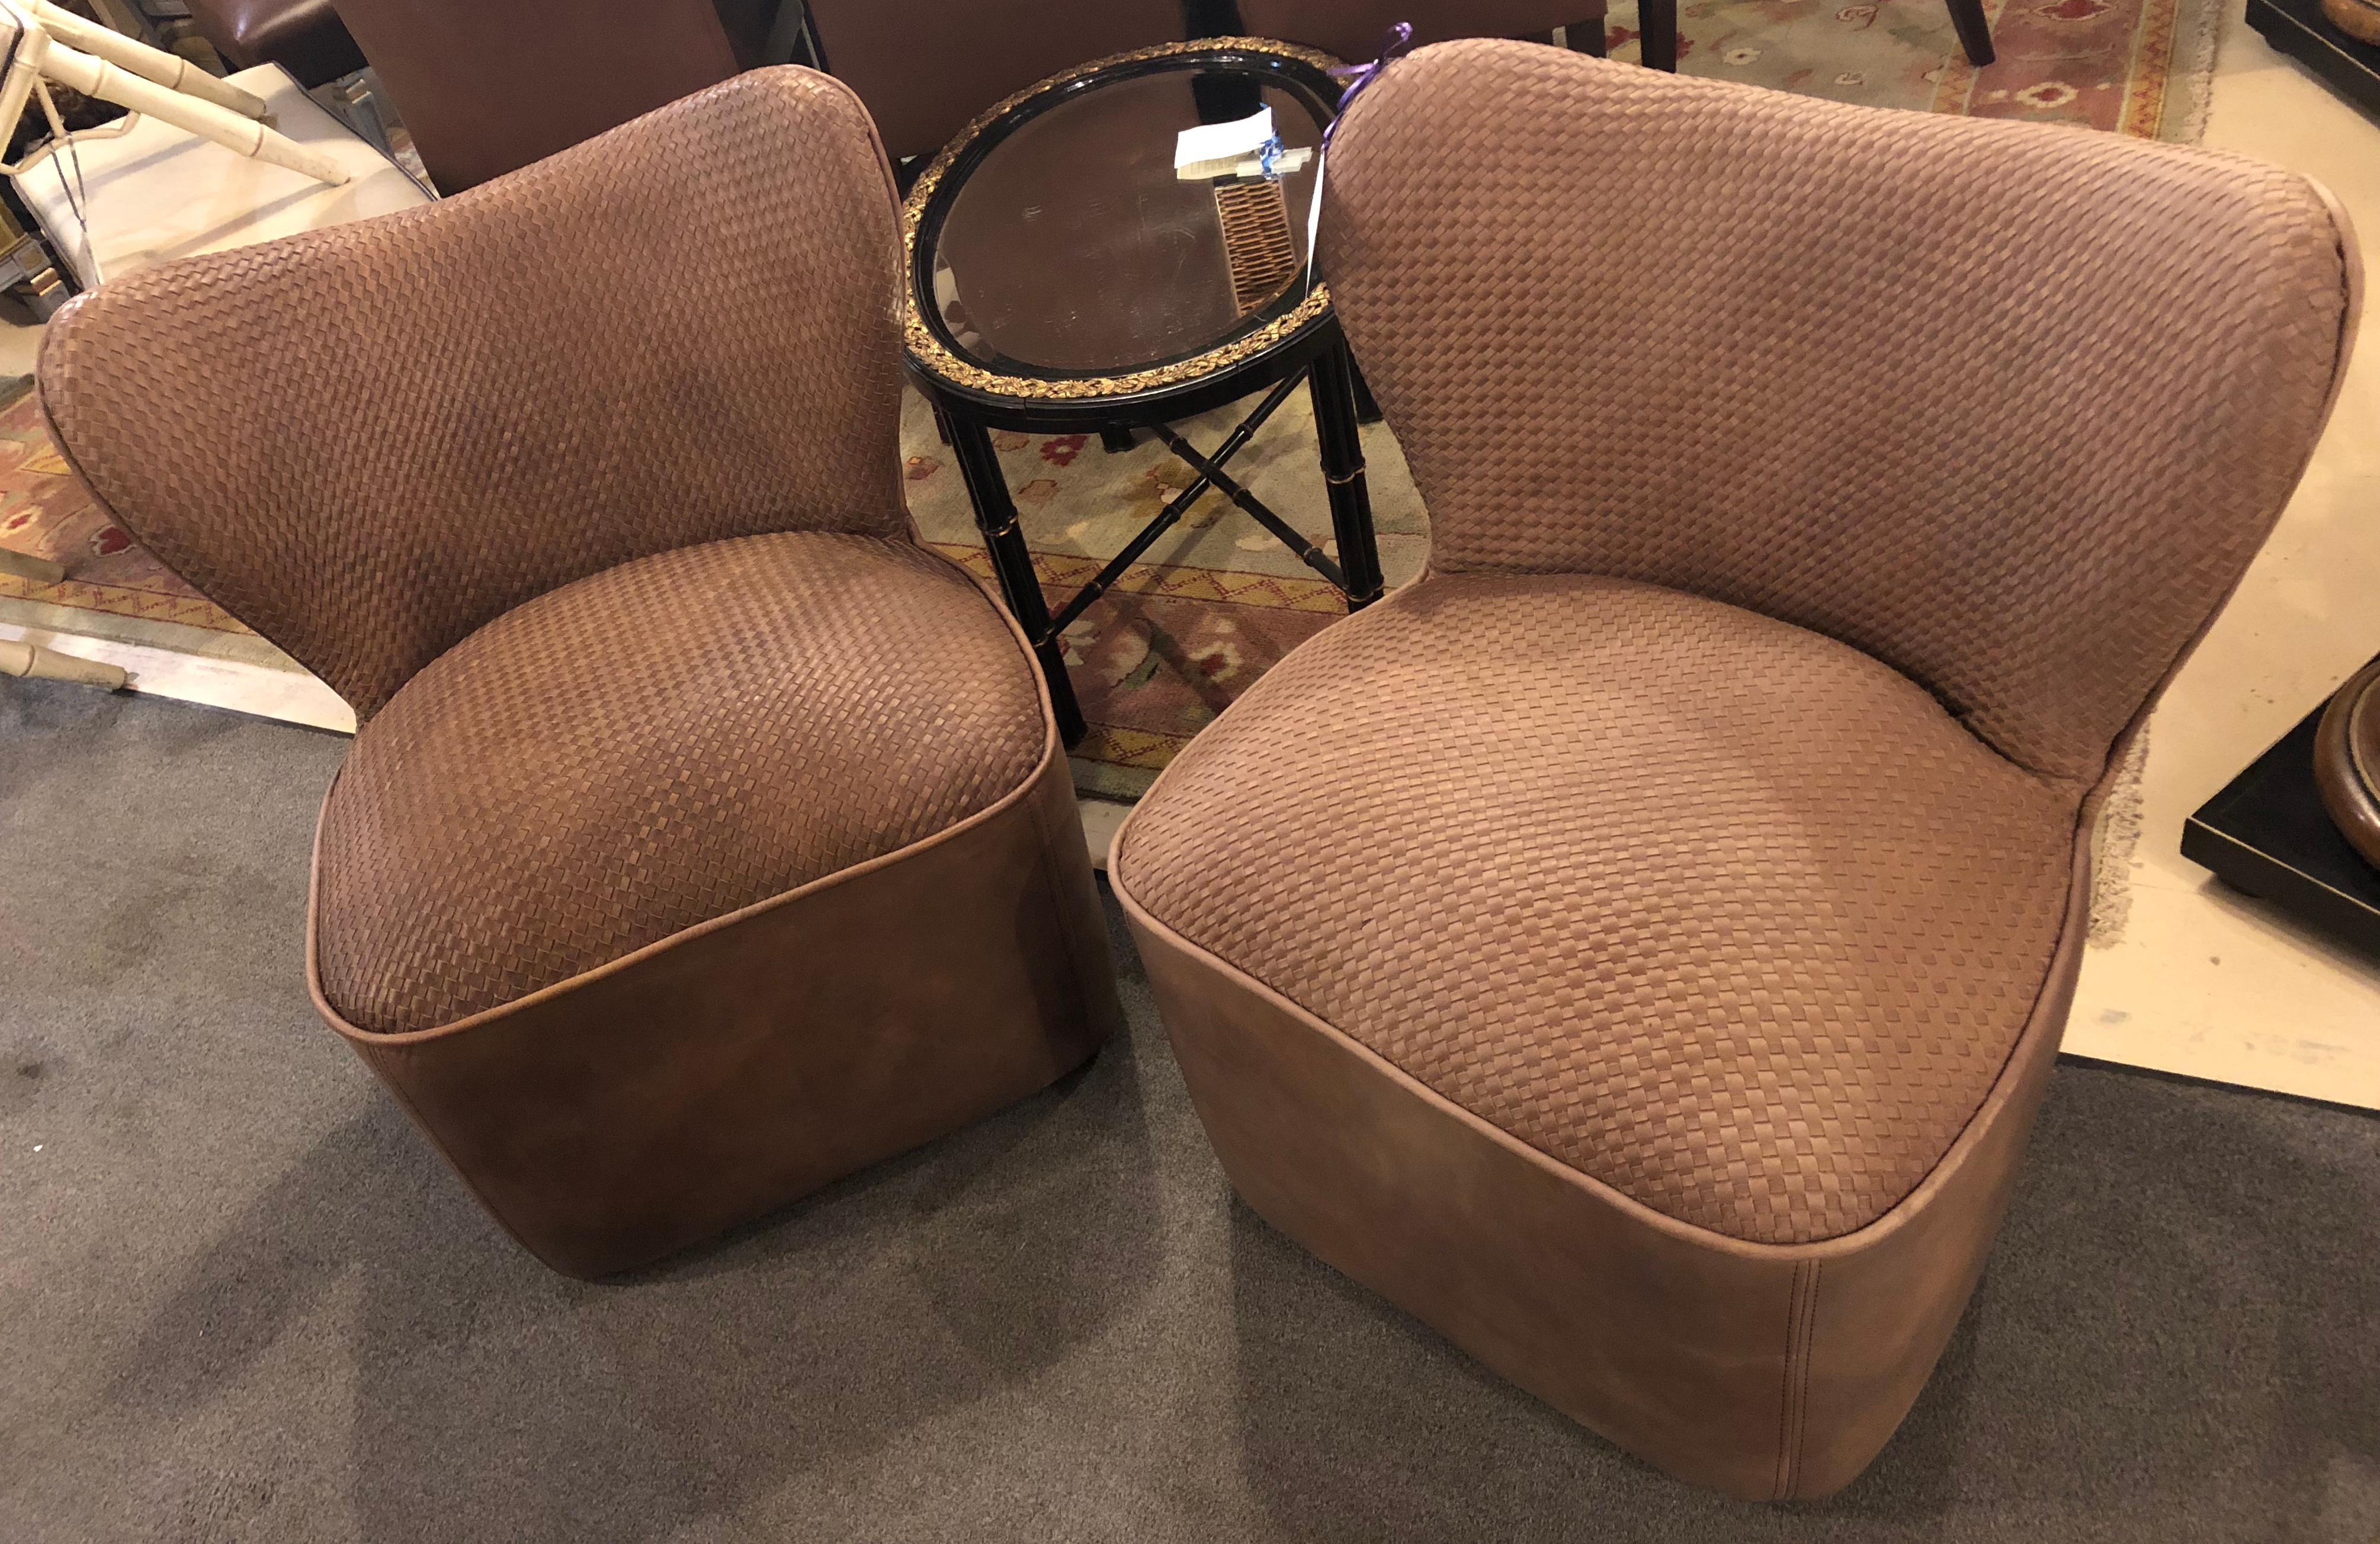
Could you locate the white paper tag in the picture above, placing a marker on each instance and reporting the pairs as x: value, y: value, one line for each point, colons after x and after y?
x: 1280, y: 165
x: 1230, y: 143
x: 1314, y: 215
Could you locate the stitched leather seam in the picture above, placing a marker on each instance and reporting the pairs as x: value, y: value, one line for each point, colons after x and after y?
x: 1809, y: 1335
x: 1785, y: 1394
x: 1801, y: 1319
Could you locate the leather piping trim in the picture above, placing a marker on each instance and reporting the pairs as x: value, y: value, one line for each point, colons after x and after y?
x: 2038, y: 1027
x: 403, y: 1039
x: 2351, y: 261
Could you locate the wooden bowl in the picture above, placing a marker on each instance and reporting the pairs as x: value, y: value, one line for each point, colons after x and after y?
x: 2346, y: 761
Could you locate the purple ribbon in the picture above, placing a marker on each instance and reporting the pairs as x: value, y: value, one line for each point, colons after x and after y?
x: 1393, y: 47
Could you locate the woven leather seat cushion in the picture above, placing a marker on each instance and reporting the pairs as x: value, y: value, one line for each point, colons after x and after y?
x: 1714, y: 909
x: 650, y: 747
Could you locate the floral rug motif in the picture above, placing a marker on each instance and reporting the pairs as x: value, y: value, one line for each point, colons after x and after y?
x: 1218, y: 602
x: 45, y: 512
x: 2141, y: 67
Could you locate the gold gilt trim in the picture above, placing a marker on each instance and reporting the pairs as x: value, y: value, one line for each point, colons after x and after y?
x: 929, y: 351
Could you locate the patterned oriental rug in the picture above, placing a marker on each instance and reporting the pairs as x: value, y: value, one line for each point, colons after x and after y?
x: 1218, y: 602
x: 113, y: 588
x: 2141, y: 67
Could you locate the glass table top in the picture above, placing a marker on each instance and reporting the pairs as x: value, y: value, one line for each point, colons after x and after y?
x: 1060, y: 243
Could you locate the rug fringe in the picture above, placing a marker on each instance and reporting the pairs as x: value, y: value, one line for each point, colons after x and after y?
x: 2196, y: 53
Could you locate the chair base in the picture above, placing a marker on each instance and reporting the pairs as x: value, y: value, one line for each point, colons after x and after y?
x: 1767, y: 1372
x: 695, y: 1085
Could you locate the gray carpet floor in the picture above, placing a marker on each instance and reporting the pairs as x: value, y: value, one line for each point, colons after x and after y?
x: 240, y: 1300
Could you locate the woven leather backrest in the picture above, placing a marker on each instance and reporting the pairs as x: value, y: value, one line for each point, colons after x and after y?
x: 2009, y: 406
x: 368, y: 440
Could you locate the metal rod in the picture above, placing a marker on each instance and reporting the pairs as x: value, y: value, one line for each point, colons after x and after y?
x: 1173, y: 511
x: 1116, y: 566
x: 1288, y: 535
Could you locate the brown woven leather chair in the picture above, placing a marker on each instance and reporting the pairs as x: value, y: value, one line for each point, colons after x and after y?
x: 926, y: 67
x: 1638, y: 947
x: 488, y: 86
x: 706, y: 838
x: 304, y: 37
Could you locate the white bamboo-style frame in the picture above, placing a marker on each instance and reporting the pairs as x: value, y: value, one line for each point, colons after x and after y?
x: 57, y: 45
x: 48, y: 664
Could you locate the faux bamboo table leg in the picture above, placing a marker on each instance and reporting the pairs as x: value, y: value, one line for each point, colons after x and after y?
x: 1658, y: 22
x: 1332, y: 385
x: 1012, y: 564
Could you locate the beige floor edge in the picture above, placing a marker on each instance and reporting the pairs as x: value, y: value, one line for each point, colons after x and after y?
x: 2204, y: 982
x: 2200, y: 982
x: 290, y: 696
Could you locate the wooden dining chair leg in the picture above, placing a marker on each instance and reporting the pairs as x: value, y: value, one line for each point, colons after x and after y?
x: 1586, y: 37
x: 1659, y: 20
x: 1974, y: 30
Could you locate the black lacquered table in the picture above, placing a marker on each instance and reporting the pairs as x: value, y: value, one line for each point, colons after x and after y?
x: 2267, y: 834
x: 1063, y: 278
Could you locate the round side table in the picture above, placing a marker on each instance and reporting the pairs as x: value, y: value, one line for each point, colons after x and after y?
x: 1063, y: 278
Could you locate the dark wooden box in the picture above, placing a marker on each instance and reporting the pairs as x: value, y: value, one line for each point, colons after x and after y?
x: 2267, y: 836
x: 2298, y: 29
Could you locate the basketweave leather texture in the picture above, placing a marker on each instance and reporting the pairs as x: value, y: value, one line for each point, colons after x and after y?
x: 1816, y: 495
x: 2008, y: 407
x: 367, y: 442
x: 1712, y: 909
x: 660, y: 743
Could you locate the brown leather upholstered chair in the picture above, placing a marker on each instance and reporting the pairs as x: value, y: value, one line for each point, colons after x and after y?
x: 705, y: 838
x: 1638, y: 947
x: 304, y: 37
x: 1353, y: 29
x: 924, y: 67
x: 488, y: 86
